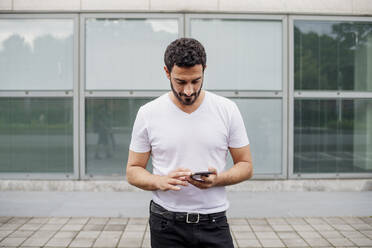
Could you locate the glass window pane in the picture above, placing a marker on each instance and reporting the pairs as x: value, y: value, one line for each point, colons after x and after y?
x: 36, y: 54
x: 127, y: 53
x: 264, y: 128
x: 333, y: 136
x: 109, y: 124
x: 241, y: 54
x: 331, y: 55
x: 36, y: 135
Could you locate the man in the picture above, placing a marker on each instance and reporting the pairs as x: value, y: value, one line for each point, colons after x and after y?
x: 188, y: 130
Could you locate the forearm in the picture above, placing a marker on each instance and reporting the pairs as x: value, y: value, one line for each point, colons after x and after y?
x: 238, y: 173
x: 141, y: 178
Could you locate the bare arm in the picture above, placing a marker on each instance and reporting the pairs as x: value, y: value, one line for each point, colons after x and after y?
x: 241, y: 171
x: 138, y: 176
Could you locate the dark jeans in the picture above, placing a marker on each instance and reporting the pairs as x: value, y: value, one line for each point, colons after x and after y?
x: 172, y: 233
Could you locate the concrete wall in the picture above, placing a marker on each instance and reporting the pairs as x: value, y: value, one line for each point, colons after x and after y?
x: 329, y: 7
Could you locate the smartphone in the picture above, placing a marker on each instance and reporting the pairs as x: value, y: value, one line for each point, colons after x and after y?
x: 197, y: 175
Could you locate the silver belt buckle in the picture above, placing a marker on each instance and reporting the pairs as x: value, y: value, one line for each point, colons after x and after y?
x: 192, y: 221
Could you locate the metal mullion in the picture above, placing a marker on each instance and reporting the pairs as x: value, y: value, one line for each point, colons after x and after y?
x: 265, y: 17
x: 331, y: 175
x: 125, y: 94
x: 290, y: 174
x: 28, y: 93
x: 43, y: 176
x: 37, y: 16
x: 285, y: 100
x: 250, y: 94
x: 341, y: 18
x: 332, y: 94
x: 76, y: 133
x: 141, y: 15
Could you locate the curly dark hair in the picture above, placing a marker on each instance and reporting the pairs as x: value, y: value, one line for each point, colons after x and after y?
x: 185, y: 52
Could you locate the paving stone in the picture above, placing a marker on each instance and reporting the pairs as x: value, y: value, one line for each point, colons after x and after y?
x: 266, y: 235
x: 114, y: 227
x: 101, y: 221
x: 367, y: 233
x: 4, y: 219
x: 4, y: 233
x: 21, y: 234
x: 84, y: 242
x: 302, y: 227
x: 241, y: 228
x: 58, y: 220
x: 282, y: 227
x: 88, y: 234
x: 361, y: 226
x: 309, y: 234
x: 117, y: 221
x: 288, y: 235
x: 130, y: 242
x: 331, y: 234
x: 31, y: 227
x: 264, y: 228
x: 93, y: 227
x: 361, y: 241
x: 343, y: 227
x: 139, y: 228
x: 12, y: 241
x: 39, y: 220
x: 242, y: 243
x: 72, y: 227
x: 257, y: 221
x: 238, y: 221
x: 295, y: 242
x: 244, y: 235
x: 147, y: 243
x: 352, y: 234
x: 317, y: 242
x: 138, y: 221
x: 18, y: 220
x: 39, y: 238
x: 353, y: 220
x: 106, y: 242
x: 109, y: 234
x: 59, y: 242
x: 65, y: 234
x: 298, y: 221
x: 51, y: 227
x: 315, y: 220
x: 340, y: 242
x: 128, y: 234
x: 9, y: 227
x: 78, y: 220
x: 277, y: 221
x: 321, y: 227
x: 335, y: 220
x: 272, y: 243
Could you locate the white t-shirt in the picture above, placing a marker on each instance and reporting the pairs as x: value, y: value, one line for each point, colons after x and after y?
x: 195, y: 141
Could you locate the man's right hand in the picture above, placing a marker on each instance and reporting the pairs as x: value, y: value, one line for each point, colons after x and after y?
x: 174, y: 178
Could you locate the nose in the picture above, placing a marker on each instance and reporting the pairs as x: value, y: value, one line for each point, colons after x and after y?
x: 188, y: 90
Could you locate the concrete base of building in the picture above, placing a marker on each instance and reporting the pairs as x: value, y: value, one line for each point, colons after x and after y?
x: 308, y: 185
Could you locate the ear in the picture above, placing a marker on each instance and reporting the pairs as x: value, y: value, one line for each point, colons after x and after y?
x: 167, y: 72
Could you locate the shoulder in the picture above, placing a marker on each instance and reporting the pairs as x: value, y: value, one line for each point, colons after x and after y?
x: 153, y: 106
x: 221, y: 102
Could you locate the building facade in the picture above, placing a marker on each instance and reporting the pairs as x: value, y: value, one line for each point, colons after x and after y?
x: 74, y: 73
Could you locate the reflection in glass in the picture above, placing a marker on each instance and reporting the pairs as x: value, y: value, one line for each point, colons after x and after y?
x: 36, y: 135
x: 333, y: 55
x: 241, y: 54
x: 36, y: 54
x: 333, y: 136
x: 127, y: 53
x: 109, y: 124
x: 263, y: 121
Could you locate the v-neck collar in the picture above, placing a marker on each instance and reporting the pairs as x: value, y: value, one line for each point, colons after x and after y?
x: 185, y: 113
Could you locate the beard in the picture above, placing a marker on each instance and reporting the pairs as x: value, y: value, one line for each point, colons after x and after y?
x: 186, y: 100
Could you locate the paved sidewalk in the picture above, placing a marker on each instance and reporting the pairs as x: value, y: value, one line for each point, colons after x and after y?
x: 134, y: 232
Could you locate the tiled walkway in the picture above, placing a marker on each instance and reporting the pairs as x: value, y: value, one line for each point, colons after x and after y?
x: 134, y: 232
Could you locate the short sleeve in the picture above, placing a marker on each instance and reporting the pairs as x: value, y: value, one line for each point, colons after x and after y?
x: 237, y: 132
x: 140, y: 140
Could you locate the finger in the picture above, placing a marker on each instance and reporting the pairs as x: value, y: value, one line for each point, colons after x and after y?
x: 200, y: 185
x: 172, y: 187
x: 177, y: 182
x: 213, y: 170
x: 179, y: 174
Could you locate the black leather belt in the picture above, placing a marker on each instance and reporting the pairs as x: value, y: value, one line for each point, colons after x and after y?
x: 184, y: 216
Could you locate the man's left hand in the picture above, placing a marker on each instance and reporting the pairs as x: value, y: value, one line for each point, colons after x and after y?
x: 208, y: 182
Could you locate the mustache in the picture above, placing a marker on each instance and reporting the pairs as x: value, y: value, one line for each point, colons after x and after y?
x: 182, y: 94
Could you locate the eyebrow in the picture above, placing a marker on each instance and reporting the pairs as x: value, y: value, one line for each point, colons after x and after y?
x: 185, y: 80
